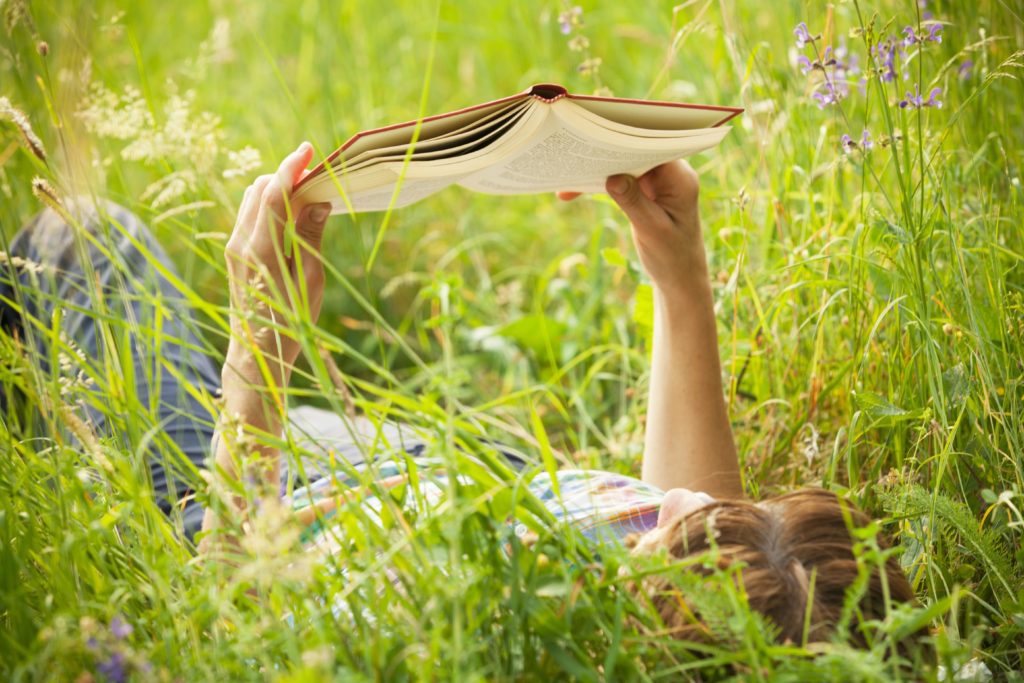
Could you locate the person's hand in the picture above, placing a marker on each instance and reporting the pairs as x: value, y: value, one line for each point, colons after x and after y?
x: 270, y: 271
x: 662, y: 207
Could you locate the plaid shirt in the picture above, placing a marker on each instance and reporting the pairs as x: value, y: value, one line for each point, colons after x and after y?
x: 604, y: 506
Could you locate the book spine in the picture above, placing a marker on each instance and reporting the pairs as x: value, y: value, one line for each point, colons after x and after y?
x: 547, y: 92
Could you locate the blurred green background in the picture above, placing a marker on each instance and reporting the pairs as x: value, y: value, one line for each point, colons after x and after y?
x: 870, y: 306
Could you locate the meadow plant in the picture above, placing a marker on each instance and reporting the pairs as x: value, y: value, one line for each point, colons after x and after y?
x: 862, y: 222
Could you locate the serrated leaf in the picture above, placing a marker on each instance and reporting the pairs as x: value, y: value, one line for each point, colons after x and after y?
x: 880, y: 409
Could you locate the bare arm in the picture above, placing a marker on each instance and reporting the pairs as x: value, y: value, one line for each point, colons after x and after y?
x: 259, y: 360
x: 688, y: 441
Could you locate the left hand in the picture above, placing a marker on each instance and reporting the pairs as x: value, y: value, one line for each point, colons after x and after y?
x: 265, y: 278
x: 662, y: 208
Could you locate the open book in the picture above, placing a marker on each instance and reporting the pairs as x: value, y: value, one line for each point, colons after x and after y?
x: 541, y: 140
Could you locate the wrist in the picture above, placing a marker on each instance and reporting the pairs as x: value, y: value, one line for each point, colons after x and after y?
x: 691, y: 288
x: 243, y: 366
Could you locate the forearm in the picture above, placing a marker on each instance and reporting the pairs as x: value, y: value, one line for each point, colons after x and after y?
x: 688, y: 441
x: 252, y: 411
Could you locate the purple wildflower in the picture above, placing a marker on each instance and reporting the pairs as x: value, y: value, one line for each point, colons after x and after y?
x: 803, y: 36
x: 845, y: 62
x: 965, y: 69
x: 92, y: 644
x: 120, y: 628
x: 916, y: 101
x: 837, y: 71
x: 830, y: 93
x: 113, y: 669
x: 850, y: 145
x: 865, y: 140
x: 885, y: 54
x: 569, y: 19
x: 932, y: 36
x: 829, y: 59
x: 923, y: 5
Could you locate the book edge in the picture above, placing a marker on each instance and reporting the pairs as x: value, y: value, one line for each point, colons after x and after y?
x: 538, y: 91
x: 394, y: 126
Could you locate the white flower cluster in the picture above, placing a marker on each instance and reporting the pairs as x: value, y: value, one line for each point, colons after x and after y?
x: 192, y: 141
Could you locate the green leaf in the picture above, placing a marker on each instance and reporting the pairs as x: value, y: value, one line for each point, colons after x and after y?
x: 881, y: 410
x: 536, y: 333
x: 613, y: 257
x: 643, y: 313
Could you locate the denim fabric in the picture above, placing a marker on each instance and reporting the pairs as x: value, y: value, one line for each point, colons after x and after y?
x: 98, y: 262
x: 108, y: 255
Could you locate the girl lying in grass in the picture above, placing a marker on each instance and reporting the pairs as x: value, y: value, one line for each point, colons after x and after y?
x: 690, y: 494
x: 796, y: 551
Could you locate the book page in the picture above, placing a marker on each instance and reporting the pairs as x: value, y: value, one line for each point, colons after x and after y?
x: 560, y: 158
x: 401, y: 134
x: 652, y: 115
x: 411, y: 190
x: 372, y: 191
x: 369, y: 188
x: 579, y: 118
x: 499, y: 118
x: 458, y: 146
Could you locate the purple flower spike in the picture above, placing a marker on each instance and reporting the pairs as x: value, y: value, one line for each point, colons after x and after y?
x: 885, y: 57
x: 803, y: 36
x: 830, y: 94
x: 805, y: 64
x: 113, y: 669
x: 569, y: 18
x: 865, y: 140
x: 916, y: 101
x: 850, y: 145
x: 964, y: 71
x: 932, y: 36
x: 120, y: 629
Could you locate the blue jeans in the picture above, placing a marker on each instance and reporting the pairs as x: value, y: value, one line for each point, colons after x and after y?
x: 108, y: 256
x: 105, y: 275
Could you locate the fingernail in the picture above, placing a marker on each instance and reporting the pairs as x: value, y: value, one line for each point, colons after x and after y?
x: 302, y: 147
x: 618, y: 184
x: 319, y: 213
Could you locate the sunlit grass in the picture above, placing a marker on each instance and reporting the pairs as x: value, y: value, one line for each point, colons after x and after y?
x: 870, y: 313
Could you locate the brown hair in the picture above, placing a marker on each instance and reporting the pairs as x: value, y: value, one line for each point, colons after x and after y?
x: 780, y: 542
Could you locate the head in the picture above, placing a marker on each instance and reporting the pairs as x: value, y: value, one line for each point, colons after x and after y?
x: 791, y: 547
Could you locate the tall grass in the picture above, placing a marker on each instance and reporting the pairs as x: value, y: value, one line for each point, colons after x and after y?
x: 870, y: 308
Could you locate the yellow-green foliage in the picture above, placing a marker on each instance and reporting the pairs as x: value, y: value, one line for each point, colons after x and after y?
x: 868, y: 300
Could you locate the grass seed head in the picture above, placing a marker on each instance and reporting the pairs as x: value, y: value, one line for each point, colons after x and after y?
x: 29, y: 139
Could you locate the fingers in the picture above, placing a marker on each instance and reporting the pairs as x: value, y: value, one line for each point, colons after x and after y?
x: 250, y: 206
x: 290, y: 170
x: 274, y: 207
x: 310, y: 225
x: 673, y: 186
x: 638, y: 207
x: 309, y: 230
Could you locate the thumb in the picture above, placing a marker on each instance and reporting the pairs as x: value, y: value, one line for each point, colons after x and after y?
x: 626, y: 192
x: 290, y: 170
x: 310, y: 226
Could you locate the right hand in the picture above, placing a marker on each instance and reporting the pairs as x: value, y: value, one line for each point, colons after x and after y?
x: 662, y: 208
x: 259, y: 268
